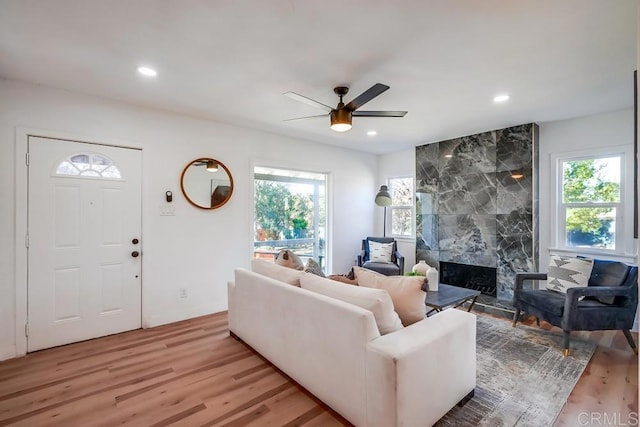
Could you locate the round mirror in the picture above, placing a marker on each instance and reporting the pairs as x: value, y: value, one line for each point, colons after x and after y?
x: 206, y: 183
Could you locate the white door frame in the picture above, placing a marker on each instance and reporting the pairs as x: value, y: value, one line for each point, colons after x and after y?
x: 21, y: 212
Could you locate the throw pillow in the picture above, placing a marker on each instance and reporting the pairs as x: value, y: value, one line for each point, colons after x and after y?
x: 376, y: 301
x: 343, y: 279
x: 568, y: 272
x: 608, y: 273
x: 286, y: 258
x: 380, y: 252
x: 278, y: 272
x: 405, y: 291
x: 313, y: 267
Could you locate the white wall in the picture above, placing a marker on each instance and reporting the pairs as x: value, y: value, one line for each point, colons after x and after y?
x: 395, y: 165
x: 195, y: 249
x: 565, y: 136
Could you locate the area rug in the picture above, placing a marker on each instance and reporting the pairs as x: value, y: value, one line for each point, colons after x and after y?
x: 522, y: 377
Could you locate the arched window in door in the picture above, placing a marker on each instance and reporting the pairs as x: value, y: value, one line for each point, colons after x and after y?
x: 88, y: 165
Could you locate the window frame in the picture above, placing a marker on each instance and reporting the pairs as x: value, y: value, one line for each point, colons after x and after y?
x: 624, y: 242
x: 285, y: 166
x: 411, y: 208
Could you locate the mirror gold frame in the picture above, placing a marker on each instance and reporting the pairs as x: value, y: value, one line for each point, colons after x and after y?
x: 203, y: 188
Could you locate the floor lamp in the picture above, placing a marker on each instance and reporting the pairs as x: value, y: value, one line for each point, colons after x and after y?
x: 383, y: 198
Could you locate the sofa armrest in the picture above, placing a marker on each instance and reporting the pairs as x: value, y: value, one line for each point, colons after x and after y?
x: 574, y: 295
x: 521, y: 277
x: 417, y: 374
x: 399, y: 261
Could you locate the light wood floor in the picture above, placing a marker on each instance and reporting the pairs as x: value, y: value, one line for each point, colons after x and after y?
x: 193, y: 374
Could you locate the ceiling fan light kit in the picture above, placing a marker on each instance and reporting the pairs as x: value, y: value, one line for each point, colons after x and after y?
x: 340, y: 120
x: 341, y: 116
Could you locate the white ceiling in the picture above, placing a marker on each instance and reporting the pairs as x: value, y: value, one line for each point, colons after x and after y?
x: 231, y: 60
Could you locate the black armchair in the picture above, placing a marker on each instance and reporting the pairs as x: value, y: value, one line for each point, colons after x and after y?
x: 395, y: 268
x: 610, y: 301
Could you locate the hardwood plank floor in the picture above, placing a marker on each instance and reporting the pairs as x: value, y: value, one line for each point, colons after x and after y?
x: 193, y: 373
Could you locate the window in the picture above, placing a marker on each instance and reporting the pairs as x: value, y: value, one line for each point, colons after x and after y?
x: 290, y: 213
x: 88, y: 165
x: 401, y: 209
x: 593, y: 202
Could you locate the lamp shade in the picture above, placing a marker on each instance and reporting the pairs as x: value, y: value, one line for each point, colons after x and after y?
x: 383, y: 198
x: 212, y: 166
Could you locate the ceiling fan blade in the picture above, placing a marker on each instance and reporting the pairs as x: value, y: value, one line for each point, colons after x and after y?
x: 305, y: 117
x: 379, y: 113
x: 307, y: 101
x: 366, y: 96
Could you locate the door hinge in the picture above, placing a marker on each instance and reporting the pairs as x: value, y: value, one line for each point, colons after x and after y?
x: 26, y: 241
x: 26, y: 329
x: 26, y: 159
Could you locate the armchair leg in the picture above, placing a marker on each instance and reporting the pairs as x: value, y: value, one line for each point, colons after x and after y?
x: 565, y: 343
x: 515, y: 317
x: 630, y: 340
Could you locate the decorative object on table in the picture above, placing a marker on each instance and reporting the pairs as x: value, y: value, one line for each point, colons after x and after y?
x: 522, y: 377
x: 393, y: 268
x: 383, y: 198
x: 609, y: 302
x: 433, y: 278
x: 420, y: 268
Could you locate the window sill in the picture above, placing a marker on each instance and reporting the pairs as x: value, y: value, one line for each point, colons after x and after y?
x: 594, y: 253
x: 405, y: 239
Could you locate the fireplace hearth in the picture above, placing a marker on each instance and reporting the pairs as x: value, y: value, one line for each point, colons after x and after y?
x: 481, y: 279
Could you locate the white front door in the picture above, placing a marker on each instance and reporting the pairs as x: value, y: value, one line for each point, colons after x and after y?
x: 84, y: 242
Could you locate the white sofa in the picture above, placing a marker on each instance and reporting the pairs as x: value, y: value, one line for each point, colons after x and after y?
x: 410, y: 377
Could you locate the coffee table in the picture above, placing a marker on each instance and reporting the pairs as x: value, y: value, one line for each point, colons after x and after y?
x: 448, y: 295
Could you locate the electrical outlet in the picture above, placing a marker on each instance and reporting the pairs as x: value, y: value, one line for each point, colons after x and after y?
x: 183, y: 292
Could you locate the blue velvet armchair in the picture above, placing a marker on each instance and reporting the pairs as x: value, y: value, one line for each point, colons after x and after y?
x: 610, y: 301
x: 395, y: 268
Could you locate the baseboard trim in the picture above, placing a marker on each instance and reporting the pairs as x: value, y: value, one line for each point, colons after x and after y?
x: 178, y: 315
x: 8, y: 352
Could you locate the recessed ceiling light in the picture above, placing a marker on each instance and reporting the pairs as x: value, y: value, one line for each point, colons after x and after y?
x: 146, y: 71
x: 372, y: 133
x: 501, y: 98
x: 448, y: 156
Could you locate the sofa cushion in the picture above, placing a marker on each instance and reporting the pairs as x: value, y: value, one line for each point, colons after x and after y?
x: 278, y: 272
x: 286, y: 258
x: 313, y: 267
x: 551, y: 302
x: 375, y: 300
x: 343, y: 279
x: 607, y: 273
x: 386, y: 268
x: 405, y: 291
x: 568, y: 272
x: 380, y: 252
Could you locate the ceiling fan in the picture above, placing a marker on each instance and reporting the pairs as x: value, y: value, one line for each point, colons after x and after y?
x: 342, y: 114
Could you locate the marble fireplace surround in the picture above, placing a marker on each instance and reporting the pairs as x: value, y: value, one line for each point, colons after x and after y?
x: 477, y: 202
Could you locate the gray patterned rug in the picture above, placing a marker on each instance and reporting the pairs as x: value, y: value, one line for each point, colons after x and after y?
x: 522, y: 377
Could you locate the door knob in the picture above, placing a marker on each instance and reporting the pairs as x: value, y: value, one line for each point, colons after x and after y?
x: 135, y: 254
